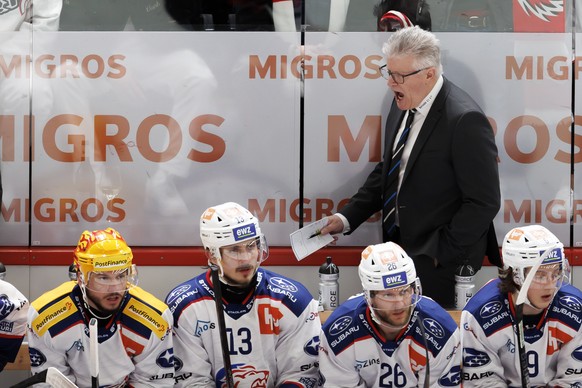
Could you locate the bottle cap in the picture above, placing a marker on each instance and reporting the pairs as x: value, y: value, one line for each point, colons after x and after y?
x: 328, y: 268
x: 464, y: 273
x: 72, y: 272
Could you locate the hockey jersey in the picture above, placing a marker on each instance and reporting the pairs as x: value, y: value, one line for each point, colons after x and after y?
x: 553, y: 347
x: 354, y: 353
x: 273, y: 335
x: 135, y: 344
x: 13, y: 310
x: 20, y: 15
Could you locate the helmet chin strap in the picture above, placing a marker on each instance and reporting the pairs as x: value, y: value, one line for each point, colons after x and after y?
x: 88, y: 306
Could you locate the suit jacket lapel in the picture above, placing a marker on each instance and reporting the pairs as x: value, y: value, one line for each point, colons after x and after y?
x: 429, y: 125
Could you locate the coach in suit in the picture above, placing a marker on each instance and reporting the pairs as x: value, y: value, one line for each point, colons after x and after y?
x: 439, y: 192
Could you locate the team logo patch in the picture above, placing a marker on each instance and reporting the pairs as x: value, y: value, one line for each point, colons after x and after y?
x: 283, y: 284
x: 244, y: 232
x: 36, y: 357
x: 6, y: 306
x: 577, y: 354
x: 340, y: 325
x: 177, y: 292
x: 571, y: 302
x: 452, y: 378
x: 433, y: 327
x: 311, y: 347
x: 166, y: 359
x: 202, y: 326
x: 475, y: 358
x: 490, y: 309
x: 244, y: 376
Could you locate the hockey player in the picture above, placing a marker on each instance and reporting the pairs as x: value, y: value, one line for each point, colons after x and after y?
x: 21, y: 15
x: 13, y: 310
x: 551, y: 318
x: 134, y: 327
x: 391, y: 336
x: 272, y: 323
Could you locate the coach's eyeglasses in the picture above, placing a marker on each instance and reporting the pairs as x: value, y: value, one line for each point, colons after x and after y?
x: 397, y: 77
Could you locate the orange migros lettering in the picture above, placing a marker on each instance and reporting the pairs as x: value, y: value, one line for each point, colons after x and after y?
x: 540, y: 67
x: 528, y: 211
x: 64, y: 210
x: 66, y: 126
x: 349, y: 66
x: 338, y: 130
x: 279, y: 210
x: 63, y: 66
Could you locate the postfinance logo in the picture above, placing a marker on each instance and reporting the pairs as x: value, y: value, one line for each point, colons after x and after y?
x: 53, y: 315
x: 146, y: 316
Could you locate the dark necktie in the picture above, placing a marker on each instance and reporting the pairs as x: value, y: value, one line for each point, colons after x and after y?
x: 390, y: 193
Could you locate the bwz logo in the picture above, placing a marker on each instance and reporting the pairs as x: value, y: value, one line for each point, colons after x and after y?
x: 394, y: 280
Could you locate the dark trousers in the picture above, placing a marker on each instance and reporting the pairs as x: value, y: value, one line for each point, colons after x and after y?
x: 437, y: 283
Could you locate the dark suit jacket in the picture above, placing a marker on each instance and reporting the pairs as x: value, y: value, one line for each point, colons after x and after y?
x: 450, y: 189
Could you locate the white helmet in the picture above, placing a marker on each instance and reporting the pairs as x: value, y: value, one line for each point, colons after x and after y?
x: 229, y: 224
x: 523, y: 247
x: 387, y: 267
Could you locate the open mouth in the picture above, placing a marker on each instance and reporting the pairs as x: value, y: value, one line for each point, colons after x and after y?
x: 244, y: 269
x: 399, y: 96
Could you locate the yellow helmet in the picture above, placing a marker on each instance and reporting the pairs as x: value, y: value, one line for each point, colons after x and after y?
x: 100, y: 251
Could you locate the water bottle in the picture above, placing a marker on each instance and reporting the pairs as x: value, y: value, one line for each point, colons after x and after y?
x: 328, y: 286
x: 2, y: 271
x: 72, y: 272
x: 464, y: 285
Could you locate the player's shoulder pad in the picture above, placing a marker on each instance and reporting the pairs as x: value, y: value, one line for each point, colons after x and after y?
x: 53, y: 307
x: 431, y: 309
x: 290, y: 292
x: 343, y: 327
x: 567, y: 306
x: 146, y: 310
x: 187, y: 292
x: 490, y: 308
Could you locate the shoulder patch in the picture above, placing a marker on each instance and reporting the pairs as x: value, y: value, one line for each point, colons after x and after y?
x: 52, y: 315
x: 147, y: 316
x: 141, y: 294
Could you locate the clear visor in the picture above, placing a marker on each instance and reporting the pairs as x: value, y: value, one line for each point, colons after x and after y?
x: 112, y: 281
x: 548, y: 276
x: 393, y: 307
x: 248, y: 250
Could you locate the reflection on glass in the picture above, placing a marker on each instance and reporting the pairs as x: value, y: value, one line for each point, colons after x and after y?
x: 110, y: 180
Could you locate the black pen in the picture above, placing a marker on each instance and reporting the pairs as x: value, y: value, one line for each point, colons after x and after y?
x: 317, y: 233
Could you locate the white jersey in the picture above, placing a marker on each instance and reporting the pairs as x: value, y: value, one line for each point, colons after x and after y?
x: 21, y: 15
x: 135, y: 344
x: 553, y: 346
x: 354, y: 353
x: 273, y: 335
x: 13, y: 310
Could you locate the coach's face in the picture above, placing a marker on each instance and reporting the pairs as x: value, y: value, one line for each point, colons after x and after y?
x: 410, y: 82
